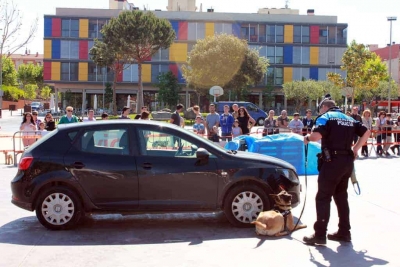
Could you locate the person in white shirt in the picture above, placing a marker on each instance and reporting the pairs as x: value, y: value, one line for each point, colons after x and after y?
x: 90, y: 116
x: 296, y: 125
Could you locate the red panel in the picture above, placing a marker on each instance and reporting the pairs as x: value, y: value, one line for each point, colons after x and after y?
x: 174, y: 69
x: 56, y: 27
x: 83, y: 49
x: 183, y: 30
x: 46, y: 70
x: 314, y: 34
x: 119, y: 77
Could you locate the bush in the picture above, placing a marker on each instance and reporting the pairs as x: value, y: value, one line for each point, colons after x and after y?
x: 12, y: 93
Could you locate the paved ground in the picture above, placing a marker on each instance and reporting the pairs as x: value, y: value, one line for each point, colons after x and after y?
x: 208, y: 239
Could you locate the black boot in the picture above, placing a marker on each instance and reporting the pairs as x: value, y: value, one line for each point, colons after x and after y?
x: 314, y: 240
x: 340, y: 237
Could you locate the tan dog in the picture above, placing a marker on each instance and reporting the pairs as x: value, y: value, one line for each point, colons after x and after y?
x: 272, y: 223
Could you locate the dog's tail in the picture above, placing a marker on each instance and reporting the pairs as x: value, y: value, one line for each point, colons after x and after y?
x: 259, y: 224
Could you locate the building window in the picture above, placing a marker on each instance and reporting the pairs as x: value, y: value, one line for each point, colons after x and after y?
x: 297, y: 34
x: 342, y: 35
x: 305, y: 34
x: 70, y: 28
x: 279, y: 55
x: 323, y: 35
x: 64, y: 71
x: 93, y: 28
x: 100, y: 26
x: 270, y: 34
x: 332, y: 35
x: 271, y: 54
x: 92, y: 72
x: 279, y: 33
x: 278, y: 76
x: 73, y: 71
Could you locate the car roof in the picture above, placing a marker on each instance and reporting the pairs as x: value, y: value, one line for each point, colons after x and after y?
x: 79, y: 125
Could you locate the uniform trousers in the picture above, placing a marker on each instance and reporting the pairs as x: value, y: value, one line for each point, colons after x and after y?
x: 333, y: 181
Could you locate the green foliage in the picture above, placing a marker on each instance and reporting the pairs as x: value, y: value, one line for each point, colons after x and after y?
x: 268, y: 95
x: 226, y: 61
x: 30, y: 74
x: 9, y: 74
x: 45, y: 93
x: 364, y: 69
x: 30, y: 91
x: 137, y: 35
x: 12, y: 93
x: 169, y: 89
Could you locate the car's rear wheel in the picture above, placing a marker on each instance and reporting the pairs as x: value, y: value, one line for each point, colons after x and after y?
x: 260, y: 121
x: 244, y: 203
x: 58, y: 208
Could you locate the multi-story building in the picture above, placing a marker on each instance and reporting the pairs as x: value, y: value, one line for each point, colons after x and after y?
x: 297, y: 46
x: 394, y: 59
x: 27, y: 58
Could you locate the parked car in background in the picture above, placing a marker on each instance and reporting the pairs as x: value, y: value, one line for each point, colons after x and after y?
x: 36, y: 106
x: 255, y: 112
x: 136, y: 166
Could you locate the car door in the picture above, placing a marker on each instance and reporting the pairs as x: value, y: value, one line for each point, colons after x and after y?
x: 170, y: 175
x: 102, y: 162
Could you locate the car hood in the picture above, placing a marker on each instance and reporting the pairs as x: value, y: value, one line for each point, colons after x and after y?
x: 263, y: 158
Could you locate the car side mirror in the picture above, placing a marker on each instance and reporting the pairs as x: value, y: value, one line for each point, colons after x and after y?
x: 202, y: 153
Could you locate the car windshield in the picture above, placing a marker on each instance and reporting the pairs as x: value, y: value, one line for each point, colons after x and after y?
x: 35, y: 104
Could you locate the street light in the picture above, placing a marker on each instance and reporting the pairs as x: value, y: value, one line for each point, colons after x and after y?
x: 390, y: 19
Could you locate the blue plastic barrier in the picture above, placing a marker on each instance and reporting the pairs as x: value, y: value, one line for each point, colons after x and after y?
x: 288, y: 147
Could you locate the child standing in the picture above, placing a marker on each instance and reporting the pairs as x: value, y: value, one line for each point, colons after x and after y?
x: 236, y: 130
x: 198, y: 127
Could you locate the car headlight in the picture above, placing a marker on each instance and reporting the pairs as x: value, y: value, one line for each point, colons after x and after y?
x: 288, y: 174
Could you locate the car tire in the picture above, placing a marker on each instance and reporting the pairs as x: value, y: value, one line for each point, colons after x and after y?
x: 243, y: 204
x: 59, y: 208
x: 260, y: 121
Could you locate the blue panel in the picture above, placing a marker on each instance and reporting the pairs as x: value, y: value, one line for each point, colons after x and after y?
x: 175, y: 26
x: 288, y: 54
x: 236, y: 29
x: 55, y: 49
x: 48, y: 27
x: 314, y: 73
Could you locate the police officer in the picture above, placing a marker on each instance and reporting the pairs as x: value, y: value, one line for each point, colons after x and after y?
x: 337, y: 132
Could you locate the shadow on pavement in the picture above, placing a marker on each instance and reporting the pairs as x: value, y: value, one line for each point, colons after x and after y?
x: 346, y: 256
x: 193, y: 228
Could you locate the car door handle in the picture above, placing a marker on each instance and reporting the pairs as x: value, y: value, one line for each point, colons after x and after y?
x: 78, y: 165
x: 147, y: 165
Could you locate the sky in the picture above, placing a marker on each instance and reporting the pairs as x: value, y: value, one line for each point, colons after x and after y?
x: 366, y: 19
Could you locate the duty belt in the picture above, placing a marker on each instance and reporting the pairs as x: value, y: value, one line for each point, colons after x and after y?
x: 341, y: 152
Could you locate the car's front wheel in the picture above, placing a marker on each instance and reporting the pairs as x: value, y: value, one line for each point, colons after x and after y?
x: 58, y: 208
x: 243, y: 204
x: 260, y: 121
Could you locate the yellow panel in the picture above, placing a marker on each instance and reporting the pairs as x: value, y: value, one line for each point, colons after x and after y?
x: 83, y: 28
x: 83, y: 71
x: 209, y: 29
x: 288, y: 34
x: 178, y: 52
x: 55, y: 71
x: 47, y: 49
x: 314, y: 54
x: 287, y: 74
x: 146, y: 73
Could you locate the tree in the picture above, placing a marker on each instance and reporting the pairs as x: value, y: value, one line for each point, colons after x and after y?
x: 108, y: 94
x: 138, y: 35
x: 268, y: 96
x: 30, y: 74
x: 298, y: 91
x: 364, y: 69
x: 12, y: 93
x: 169, y: 89
x: 328, y: 87
x: 30, y: 91
x: 112, y: 56
x: 45, y: 93
x: 9, y: 74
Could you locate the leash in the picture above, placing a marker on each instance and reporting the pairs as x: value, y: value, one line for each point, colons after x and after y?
x: 355, y: 183
x: 305, y: 196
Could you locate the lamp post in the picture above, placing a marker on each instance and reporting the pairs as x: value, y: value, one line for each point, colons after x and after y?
x: 103, y: 87
x: 390, y: 19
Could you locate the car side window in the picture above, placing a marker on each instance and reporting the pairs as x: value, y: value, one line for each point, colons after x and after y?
x: 110, y: 142
x: 251, y: 107
x: 163, y: 144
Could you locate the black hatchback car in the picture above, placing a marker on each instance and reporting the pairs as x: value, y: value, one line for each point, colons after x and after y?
x: 138, y: 166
